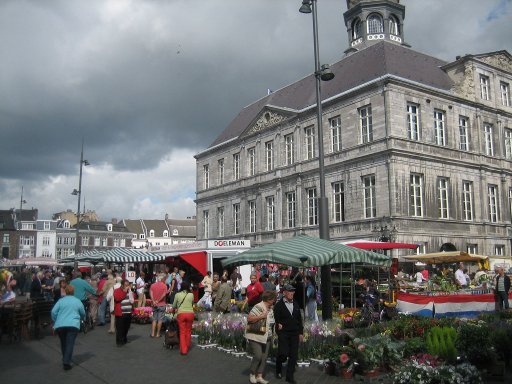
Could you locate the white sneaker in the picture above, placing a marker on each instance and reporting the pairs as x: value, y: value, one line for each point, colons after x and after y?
x: 252, y: 379
x: 261, y: 380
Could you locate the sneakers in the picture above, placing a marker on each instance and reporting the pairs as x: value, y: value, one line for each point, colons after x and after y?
x: 252, y: 379
x: 261, y: 380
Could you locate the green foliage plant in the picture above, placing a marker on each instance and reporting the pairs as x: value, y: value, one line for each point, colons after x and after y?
x: 441, y: 342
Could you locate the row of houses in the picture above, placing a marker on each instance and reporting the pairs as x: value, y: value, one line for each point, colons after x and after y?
x: 24, y: 236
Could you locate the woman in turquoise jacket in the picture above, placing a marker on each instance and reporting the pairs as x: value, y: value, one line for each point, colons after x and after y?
x: 66, y: 316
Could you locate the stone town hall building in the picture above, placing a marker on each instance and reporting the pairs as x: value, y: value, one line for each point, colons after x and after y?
x: 411, y: 142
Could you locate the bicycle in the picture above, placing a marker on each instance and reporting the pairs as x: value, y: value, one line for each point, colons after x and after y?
x: 369, y: 315
x: 87, y: 324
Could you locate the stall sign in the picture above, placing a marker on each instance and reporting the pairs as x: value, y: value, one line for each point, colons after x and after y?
x: 130, y: 276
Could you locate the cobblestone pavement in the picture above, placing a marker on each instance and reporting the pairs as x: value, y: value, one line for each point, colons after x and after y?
x: 143, y: 360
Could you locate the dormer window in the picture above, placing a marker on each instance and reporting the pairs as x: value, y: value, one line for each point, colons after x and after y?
x: 375, y: 24
x: 142, y: 236
x: 394, y: 26
x: 109, y: 227
x: 175, y: 232
x: 134, y: 236
x: 356, y: 29
x: 152, y: 233
x: 66, y: 224
x: 166, y: 233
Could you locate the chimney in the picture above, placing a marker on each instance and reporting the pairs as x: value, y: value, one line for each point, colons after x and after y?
x: 114, y: 221
x: 166, y: 216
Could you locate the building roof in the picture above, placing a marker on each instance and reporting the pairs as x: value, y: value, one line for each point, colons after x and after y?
x: 359, y: 68
x: 185, y: 227
x: 6, y: 220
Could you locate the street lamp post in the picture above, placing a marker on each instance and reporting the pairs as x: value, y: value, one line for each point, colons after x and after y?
x: 78, y: 193
x: 322, y: 73
x: 20, y: 225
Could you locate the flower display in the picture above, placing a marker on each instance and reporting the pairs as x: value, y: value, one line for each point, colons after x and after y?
x: 142, y: 315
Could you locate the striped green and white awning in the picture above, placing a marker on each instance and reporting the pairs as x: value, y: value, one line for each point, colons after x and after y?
x: 128, y: 255
x: 307, y: 251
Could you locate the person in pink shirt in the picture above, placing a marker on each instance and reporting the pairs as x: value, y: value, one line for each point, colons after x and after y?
x: 158, y: 293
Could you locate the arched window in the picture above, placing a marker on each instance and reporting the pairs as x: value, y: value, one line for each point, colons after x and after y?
x: 109, y: 227
x: 356, y: 29
x: 166, y: 233
x: 375, y: 24
x: 152, y: 233
x: 394, y: 26
x: 175, y: 232
x: 66, y: 224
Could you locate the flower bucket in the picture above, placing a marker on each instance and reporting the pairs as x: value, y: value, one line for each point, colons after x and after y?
x: 346, y: 373
x: 373, y: 372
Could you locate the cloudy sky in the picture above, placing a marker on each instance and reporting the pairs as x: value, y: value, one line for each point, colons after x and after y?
x: 149, y: 83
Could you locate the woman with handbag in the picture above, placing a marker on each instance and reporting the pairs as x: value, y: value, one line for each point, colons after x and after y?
x: 183, y: 305
x: 260, y: 324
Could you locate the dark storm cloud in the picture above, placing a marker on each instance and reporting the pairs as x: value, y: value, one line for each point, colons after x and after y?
x: 141, y: 80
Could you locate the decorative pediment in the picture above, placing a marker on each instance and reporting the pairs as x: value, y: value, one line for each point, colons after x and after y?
x: 266, y: 119
x: 499, y: 60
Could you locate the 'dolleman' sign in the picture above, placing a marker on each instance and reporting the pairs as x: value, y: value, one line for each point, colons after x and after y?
x: 223, y: 244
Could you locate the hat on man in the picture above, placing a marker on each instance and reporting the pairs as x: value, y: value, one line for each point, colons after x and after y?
x: 289, y: 288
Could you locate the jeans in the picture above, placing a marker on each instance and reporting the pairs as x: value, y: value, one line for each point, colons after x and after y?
x: 102, y: 310
x: 67, y: 336
x: 185, y: 321
x: 259, y: 356
x: 502, y: 299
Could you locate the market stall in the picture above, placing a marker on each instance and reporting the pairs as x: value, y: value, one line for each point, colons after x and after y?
x: 439, y: 298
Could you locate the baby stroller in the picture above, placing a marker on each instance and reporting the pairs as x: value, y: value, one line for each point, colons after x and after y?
x: 172, y: 334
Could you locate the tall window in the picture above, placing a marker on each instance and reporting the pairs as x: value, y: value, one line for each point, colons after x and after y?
x: 499, y: 250
x: 463, y: 134
x: 309, y: 142
x: 369, y: 197
x: 269, y: 155
x: 505, y: 94
x: 338, y: 202
x: 472, y: 248
x: 442, y: 191
x: 252, y: 216
x: 85, y: 241
x: 335, y: 124
x: 510, y: 201
x: 221, y: 171
x: 508, y: 144
x: 46, y: 225
x: 375, y: 24
x: 206, y: 176
x: 46, y: 240
x: 489, y: 142
x: 271, y: 213
x: 288, y: 149
x: 356, y: 29
x: 251, y: 161
x: 206, y: 224
x: 439, y: 128
x: 291, y: 207
x: 492, y: 193
x: 236, y: 166
x: 220, y: 221
x: 236, y: 219
x: 394, y: 26
x: 312, y: 206
x: 467, y: 200
x: 416, y: 195
x: 484, y: 87
x: 365, y: 123
x: 413, y: 128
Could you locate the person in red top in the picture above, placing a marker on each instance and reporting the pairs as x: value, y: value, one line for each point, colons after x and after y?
x: 101, y: 300
x: 254, y: 291
x: 123, y: 304
x: 158, y: 292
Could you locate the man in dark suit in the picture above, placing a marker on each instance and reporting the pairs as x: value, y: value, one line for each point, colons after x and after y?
x: 289, y: 330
